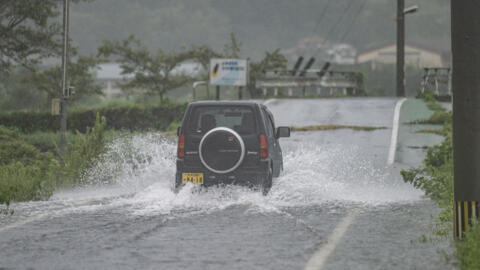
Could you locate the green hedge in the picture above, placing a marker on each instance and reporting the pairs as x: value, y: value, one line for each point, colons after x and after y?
x: 131, y: 117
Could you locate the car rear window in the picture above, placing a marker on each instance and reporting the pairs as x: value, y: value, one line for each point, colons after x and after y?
x: 238, y: 118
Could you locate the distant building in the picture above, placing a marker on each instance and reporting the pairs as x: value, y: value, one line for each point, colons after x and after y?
x: 414, y: 56
x: 308, y: 47
x: 344, y: 54
x: 108, y: 75
x: 323, y: 50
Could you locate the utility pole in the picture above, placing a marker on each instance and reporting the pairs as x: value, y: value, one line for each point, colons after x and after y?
x: 217, y: 92
x: 63, y: 107
x: 401, y: 12
x: 400, y: 48
x: 466, y: 113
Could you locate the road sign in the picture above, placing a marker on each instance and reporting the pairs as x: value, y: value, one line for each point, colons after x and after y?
x: 228, y: 72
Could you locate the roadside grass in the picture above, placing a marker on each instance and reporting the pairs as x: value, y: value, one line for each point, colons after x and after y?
x: 25, y: 172
x: 43, y: 141
x: 440, y: 132
x: 334, y: 127
x: 31, y: 169
x: 468, y: 250
x: 435, y: 178
x: 439, y: 117
x: 83, y: 152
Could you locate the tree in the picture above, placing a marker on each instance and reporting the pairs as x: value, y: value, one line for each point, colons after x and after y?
x: 272, y: 60
x: 80, y: 77
x: 202, y: 54
x: 154, y: 73
x: 232, y: 49
x: 27, y: 32
x: 16, y: 94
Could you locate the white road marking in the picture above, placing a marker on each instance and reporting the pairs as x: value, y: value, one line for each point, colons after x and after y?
x: 268, y: 101
x: 319, y: 258
x: 23, y: 222
x: 393, y: 141
x: 55, y: 213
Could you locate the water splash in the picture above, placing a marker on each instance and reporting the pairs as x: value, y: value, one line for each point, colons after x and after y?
x: 142, y: 168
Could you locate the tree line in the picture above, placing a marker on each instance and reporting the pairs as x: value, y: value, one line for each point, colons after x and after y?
x: 31, y: 38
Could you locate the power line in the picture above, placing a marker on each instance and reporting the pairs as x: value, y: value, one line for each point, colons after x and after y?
x: 340, y: 18
x: 337, y: 23
x: 320, y: 19
x: 350, y: 27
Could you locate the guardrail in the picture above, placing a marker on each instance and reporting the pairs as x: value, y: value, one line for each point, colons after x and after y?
x: 328, y: 84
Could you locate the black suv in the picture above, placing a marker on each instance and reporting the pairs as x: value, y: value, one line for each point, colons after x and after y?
x: 222, y: 142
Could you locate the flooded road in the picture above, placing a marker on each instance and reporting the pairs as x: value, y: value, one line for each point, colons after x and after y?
x: 337, y: 205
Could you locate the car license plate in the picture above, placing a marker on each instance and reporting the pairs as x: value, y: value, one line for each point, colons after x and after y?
x: 192, y: 177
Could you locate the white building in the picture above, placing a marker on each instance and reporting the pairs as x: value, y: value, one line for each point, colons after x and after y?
x: 108, y: 75
x: 414, y: 56
x: 344, y: 54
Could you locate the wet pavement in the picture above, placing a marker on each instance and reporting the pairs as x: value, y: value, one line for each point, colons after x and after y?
x: 137, y: 221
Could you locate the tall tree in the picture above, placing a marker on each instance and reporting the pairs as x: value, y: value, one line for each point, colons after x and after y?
x: 232, y: 49
x: 152, y: 72
x: 29, y: 31
x: 272, y: 60
x: 202, y: 54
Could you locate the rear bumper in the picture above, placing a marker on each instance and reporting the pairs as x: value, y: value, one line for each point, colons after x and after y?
x: 245, y: 176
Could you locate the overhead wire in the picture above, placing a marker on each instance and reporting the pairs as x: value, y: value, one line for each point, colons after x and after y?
x: 319, y: 20
x: 350, y: 27
x: 337, y: 23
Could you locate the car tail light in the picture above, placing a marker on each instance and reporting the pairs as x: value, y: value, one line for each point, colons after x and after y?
x: 263, y: 146
x: 181, y: 146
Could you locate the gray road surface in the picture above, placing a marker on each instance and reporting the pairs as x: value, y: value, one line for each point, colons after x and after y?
x: 130, y: 218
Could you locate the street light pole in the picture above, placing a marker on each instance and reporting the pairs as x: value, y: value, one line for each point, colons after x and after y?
x: 401, y: 12
x: 194, y: 88
x: 63, y: 119
x: 400, y: 48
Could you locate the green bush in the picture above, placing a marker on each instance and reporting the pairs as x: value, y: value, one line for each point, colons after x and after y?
x: 20, y: 182
x: 25, y: 172
x: 435, y: 178
x: 130, y: 117
x: 468, y: 250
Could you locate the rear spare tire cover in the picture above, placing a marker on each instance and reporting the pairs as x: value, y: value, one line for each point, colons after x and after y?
x: 221, y: 150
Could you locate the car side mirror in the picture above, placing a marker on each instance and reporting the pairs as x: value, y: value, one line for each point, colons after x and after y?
x: 178, y: 131
x: 283, y: 132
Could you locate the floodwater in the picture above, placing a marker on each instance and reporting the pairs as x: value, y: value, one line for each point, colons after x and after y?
x: 129, y: 217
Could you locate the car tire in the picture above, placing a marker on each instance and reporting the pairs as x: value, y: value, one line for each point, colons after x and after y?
x: 267, y: 182
x: 178, y: 184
